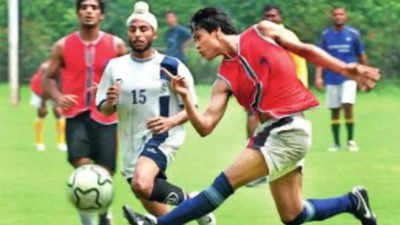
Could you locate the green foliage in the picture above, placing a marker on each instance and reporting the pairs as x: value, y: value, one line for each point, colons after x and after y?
x: 44, y: 22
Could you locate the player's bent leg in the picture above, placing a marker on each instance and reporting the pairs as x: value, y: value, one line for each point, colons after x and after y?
x: 144, y: 176
x: 286, y: 192
x: 249, y: 165
x: 155, y: 208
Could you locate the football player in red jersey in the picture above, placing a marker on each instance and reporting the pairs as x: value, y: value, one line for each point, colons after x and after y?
x: 82, y: 56
x: 39, y: 101
x: 258, y: 72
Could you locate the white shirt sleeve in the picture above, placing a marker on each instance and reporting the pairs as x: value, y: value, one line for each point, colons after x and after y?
x: 105, y: 82
x: 184, y: 71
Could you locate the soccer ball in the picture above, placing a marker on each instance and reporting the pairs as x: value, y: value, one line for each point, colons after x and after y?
x: 90, y: 188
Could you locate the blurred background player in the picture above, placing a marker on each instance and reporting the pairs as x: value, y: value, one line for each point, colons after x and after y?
x: 38, y: 100
x: 274, y: 14
x: 343, y: 42
x: 151, y: 115
x: 82, y: 56
x: 177, y: 37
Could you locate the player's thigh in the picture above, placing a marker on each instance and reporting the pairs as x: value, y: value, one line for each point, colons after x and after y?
x: 249, y: 165
x: 283, y: 143
x: 287, y: 194
x: 104, y: 144
x: 77, y: 138
x: 146, y: 171
x: 349, y: 92
x: 333, y: 96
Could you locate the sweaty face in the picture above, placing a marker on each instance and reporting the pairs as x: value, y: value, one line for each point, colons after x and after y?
x: 339, y: 16
x: 141, y: 35
x: 273, y: 16
x: 207, y: 44
x: 90, y: 14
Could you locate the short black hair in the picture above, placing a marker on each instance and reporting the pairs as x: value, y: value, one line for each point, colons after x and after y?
x: 102, y: 5
x: 270, y: 7
x: 211, y: 19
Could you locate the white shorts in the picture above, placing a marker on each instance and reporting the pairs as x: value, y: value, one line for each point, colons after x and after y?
x: 135, y: 146
x: 336, y: 95
x: 36, y: 101
x: 284, y: 144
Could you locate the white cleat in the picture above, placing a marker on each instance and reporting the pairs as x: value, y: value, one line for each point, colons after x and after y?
x: 208, y: 219
x: 62, y: 147
x: 334, y: 148
x: 40, y: 147
x: 352, y: 146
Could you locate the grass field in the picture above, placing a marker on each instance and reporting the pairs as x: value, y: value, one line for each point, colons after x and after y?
x: 32, y: 184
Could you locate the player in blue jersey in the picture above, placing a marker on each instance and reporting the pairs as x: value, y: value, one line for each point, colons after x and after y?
x: 344, y: 43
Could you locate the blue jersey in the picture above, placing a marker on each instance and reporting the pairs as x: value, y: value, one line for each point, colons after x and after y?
x: 345, y: 45
x: 176, y: 36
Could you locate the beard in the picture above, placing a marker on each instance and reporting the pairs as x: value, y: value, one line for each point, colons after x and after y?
x: 140, y: 49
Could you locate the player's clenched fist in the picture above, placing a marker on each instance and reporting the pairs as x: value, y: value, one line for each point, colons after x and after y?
x: 65, y: 102
x: 365, y: 76
x: 178, y: 84
x: 112, y: 94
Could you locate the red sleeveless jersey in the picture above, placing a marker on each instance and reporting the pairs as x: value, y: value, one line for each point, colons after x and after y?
x: 36, y: 82
x: 83, y: 67
x: 263, y: 78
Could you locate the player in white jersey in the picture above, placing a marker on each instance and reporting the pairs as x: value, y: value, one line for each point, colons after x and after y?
x: 151, y: 115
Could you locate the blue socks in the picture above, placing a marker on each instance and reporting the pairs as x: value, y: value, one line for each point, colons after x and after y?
x: 321, y: 209
x: 204, y: 203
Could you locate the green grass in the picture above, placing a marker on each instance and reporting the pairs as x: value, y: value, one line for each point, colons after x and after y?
x: 32, y: 184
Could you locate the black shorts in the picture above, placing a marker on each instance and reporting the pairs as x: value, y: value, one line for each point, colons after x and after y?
x: 87, y: 138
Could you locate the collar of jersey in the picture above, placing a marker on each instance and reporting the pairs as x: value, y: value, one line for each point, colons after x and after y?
x: 155, y: 53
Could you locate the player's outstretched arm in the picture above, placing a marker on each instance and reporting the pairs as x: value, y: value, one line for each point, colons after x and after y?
x: 204, y: 123
x: 365, y: 76
x: 162, y: 124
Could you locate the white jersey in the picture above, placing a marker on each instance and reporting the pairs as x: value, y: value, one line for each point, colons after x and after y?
x: 144, y: 94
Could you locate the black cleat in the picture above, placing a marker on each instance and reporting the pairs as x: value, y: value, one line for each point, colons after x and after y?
x: 136, y: 218
x: 363, y: 211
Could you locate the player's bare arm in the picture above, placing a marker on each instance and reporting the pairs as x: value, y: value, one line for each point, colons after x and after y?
x: 162, y: 124
x: 206, y: 122
x: 365, y: 76
x: 319, y: 81
x: 56, y: 62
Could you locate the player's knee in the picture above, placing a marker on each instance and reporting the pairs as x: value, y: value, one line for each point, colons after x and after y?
x: 142, y: 187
